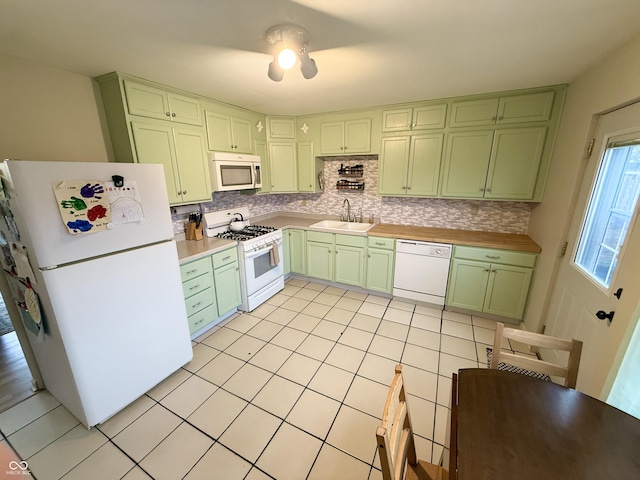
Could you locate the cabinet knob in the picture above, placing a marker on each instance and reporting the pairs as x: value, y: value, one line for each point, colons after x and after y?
x: 184, y: 192
x: 500, y: 118
x: 488, y: 190
x: 493, y: 118
x: 167, y: 114
x: 173, y: 114
x: 493, y: 271
x: 486, y: 269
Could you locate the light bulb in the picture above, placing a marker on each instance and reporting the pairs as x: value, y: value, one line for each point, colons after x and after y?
x: 287, y: 58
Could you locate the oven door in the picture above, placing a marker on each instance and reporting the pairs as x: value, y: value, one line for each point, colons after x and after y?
x: 259, y: 270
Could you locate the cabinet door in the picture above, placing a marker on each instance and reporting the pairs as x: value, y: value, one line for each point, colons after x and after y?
x: 466, y: 163
x: 350, y: 264
x: 306, y: 167
x: 424, y: 165
x: 332, y: 138
x: 533, y: 107
x: 428, y: 117
x: 472, y: 113
x: 227, y: 282
x: 379, y: 270
x: 283, y: 168
x: 146, y: 101
x: 320, y: 260
x: 219, y: 136
x: 297, y: 251
x: 394, y: 155
x: 192, y: 165
x: 514, y: 164
x: 397, y: 120
x: 184, y: 109
x: 507, y: 290
x: 282, y: 128
x: 467, y: 284
x: 241, y: 135
x: 357, y: 136
x: 286, y: 252
x: 154, y: 144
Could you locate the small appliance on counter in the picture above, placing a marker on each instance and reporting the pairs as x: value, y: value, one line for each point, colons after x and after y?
x: 93, y: 268
x: 259, y: 254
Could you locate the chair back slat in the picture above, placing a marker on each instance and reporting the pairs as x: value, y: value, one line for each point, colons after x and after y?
x: 569, y: 372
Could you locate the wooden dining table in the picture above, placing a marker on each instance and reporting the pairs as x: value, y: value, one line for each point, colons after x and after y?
x: 511, y: 426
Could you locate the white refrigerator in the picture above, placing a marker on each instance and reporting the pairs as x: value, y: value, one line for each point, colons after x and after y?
x: 108, y: 292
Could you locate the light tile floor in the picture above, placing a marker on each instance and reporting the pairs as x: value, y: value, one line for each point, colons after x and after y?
x: 293, y: 390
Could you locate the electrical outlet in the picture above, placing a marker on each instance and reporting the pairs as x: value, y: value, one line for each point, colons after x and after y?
x: 474, y: 210
x: 303, y: 203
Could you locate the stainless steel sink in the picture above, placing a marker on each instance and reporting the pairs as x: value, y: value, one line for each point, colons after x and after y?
x: 336, y: 226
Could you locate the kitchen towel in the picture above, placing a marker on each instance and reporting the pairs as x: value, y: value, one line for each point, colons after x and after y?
x: 274, y: 256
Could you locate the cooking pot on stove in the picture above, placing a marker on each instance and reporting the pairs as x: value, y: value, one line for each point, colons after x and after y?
x: 236, y: 224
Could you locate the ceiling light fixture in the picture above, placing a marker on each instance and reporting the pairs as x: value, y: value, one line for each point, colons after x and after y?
x: 289, y: 44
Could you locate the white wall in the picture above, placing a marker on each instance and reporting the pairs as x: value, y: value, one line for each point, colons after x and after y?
x: 48, y: 114
x: 612, y: 82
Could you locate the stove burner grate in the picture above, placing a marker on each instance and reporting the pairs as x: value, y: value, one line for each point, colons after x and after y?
x: 247, y: 233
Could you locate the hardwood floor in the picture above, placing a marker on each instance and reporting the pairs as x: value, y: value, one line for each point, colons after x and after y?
x: 15, y: 377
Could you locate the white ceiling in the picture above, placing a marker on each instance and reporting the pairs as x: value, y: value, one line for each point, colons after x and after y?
x: 368, y: 52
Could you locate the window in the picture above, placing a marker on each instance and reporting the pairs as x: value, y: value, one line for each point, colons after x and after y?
x: 611, y: 209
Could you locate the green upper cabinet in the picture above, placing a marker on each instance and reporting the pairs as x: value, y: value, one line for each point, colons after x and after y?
x: 181, y: 152
x: 228, y: 134
x: 514, y: 164
x: 345, y: 137
x: 524, y: 108
x: 465, y: 164
x: 283, y: 169
x: 309, y: 168
x: 501, y: 164
x: 414, y: 118
x: 410, y: 165
x: 281, y: 128
x: 148, y: 101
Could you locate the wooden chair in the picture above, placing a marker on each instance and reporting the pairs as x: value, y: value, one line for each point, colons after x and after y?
x: 568, y: 372
x: 396, y: 446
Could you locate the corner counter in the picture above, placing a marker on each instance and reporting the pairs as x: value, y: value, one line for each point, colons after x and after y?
x: 189, y: 250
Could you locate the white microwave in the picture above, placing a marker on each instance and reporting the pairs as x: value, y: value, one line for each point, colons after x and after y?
x: 232, y: 171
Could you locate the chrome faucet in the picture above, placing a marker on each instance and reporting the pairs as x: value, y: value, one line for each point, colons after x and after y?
x: 346, y: 202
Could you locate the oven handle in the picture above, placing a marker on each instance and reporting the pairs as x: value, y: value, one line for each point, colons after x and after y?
x: 257, y: 253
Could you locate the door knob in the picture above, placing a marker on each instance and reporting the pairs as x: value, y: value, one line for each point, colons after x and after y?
x: 602, y: 315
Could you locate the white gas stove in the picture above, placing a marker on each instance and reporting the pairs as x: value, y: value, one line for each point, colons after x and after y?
x: 259, y: 255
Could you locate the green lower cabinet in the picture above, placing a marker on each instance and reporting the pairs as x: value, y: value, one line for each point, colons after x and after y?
x: 297, y: 257
x: 507, y: 290
x: 227, y: 281
x: 320, y: 260
x: 467, y: 284
x: 350, y: 265
x: 379, y: 270
x: 490, y: 287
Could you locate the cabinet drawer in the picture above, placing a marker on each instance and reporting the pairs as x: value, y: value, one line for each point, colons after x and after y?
x: 225, y: 257
x: 199, y: 301
x: 491, y: 255
x: 350, y: 240
x: 202, y: 318
x: 196, y: 285
x: 319, y: 237
x: 195, y: 269
x: 380, y: 242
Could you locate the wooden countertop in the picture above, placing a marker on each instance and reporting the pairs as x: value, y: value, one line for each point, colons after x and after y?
x: 505, y: 241
x: 190, y: 250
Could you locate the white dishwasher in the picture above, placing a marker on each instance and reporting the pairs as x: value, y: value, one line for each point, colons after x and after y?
x: 422, y: 270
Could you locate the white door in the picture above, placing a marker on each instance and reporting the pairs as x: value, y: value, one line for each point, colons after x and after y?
x: 603, y: 255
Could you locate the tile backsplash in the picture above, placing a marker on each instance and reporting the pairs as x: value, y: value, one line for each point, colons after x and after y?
x: 503, y: 217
